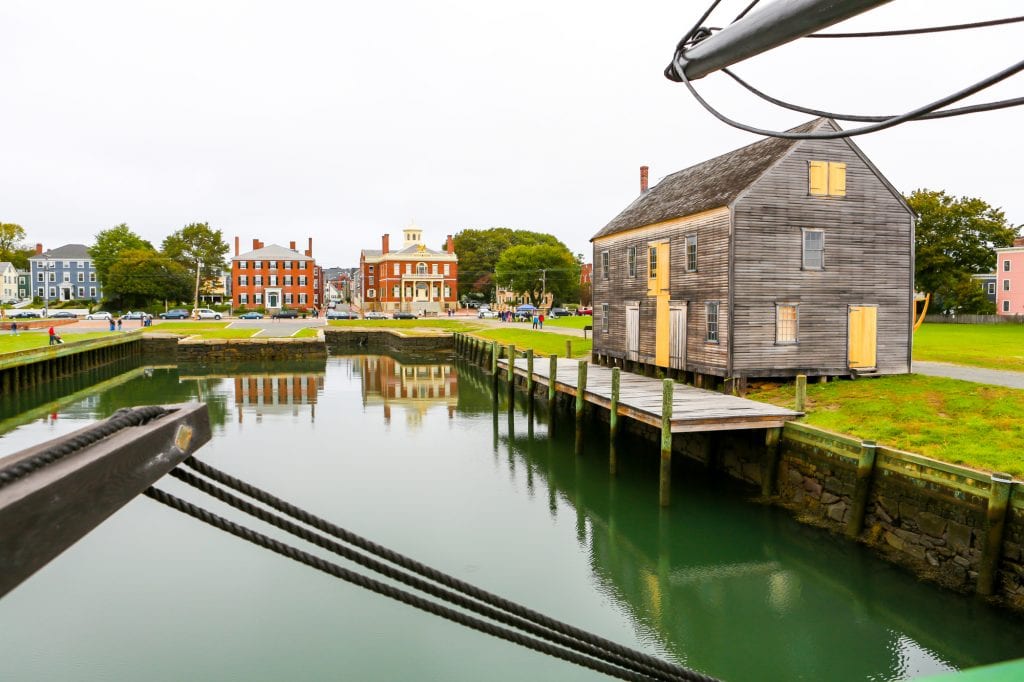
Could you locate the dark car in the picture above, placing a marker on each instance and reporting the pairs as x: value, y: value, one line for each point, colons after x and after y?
x: 63, y: 314
x: 559, y: 312
x: 252, y: 315
x: 286, y: 314
x: 341, y: 315
x: 399, y: 315
x: 176, y: 314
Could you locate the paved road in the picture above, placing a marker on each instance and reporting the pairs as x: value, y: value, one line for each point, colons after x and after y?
x: 996, y: 377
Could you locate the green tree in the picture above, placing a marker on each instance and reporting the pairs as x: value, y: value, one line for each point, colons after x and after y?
x: 955, y: 239
x: 141, y: 276
x: 194, y: 243
x: 535, y: 269
x: 479, y: 251
x: 109, y: 246
x: 11, y: 235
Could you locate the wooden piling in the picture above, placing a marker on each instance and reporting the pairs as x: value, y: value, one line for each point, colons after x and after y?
x: 552, y: 375
x: 568, y: 349
x: 613, y: 423
x: 861, y: 488
x: 511, y: 376
x: 529, y: 373
x: 801, y: 392
x: 773, y: 449
x: 665, y: 476
x: 494, y: 359
x: 581, y: 387
x: 995, y: 522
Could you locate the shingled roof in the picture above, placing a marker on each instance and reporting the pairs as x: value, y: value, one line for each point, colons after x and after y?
x: 711, y: 184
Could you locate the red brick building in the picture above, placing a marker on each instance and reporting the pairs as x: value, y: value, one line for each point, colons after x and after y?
x: 274, y: 277
x: 411, y: 279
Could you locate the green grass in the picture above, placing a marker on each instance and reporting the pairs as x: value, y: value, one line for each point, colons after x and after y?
x: 543, y: 343
x: 574, y: 322
x: 427, y: 324
x: 28, y: 340
x: 305, y: 332
x: 995, y: 346
x: 187, y: 326
x: 954, y: 421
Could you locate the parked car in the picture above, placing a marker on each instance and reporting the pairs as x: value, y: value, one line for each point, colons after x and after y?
x: 137, y: 315
x: 99, y: 315
x: 559, y: 312
x: 342, y: 315
x: 24, y: 314
x: 63, y: 315
x: 376, y: 315
x: 486, y: 313
x: 251, y: 315
x: 585, y: 311
x: 286, y: 314
x: 207, y: 314
x: 401, y: 315
x: 176, y: 314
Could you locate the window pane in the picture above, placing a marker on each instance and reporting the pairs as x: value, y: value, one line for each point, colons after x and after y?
x: 653, y: 260
x: 785, y: 324
x: 814, y: 246
x: 712, y: 321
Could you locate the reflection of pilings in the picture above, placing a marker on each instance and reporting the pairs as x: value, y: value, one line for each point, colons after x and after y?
x: 666, y: 443
x: 613, y: 424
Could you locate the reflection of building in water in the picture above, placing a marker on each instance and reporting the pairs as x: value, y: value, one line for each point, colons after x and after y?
x: 416, y: 388
x: 277, y: 393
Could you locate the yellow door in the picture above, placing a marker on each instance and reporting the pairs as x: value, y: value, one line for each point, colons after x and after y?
x: 658, y: 287
x: 863, y: 337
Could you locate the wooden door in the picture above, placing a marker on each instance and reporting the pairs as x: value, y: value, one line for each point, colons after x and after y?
x: 677, y: 335
x: 863, y: 336
x: 633, y: 333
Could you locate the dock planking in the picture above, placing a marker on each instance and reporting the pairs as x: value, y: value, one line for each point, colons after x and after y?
x: 640, y: 398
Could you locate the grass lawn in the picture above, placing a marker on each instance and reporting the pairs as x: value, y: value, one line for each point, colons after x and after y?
x: 305, y: 332
x: 995, y: 346
x: 953, y: 421
x: 186, y: 327
x: 426, y: 324
x: 28, y: 340
x: 543, y: 343
x: 574, y: 322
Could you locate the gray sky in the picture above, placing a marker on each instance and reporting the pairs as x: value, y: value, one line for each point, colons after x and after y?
x: 343, y: 121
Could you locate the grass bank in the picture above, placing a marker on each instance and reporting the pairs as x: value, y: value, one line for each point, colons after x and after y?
x: 29, y: 340
x: 953, y: 421
x: 994, y: 346
x: 574, y: 322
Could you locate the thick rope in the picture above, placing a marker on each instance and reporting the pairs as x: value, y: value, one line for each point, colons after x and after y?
x: 418, y: 583
x: 440, y: 577
x: 121, y: 419
x: 387, y: 590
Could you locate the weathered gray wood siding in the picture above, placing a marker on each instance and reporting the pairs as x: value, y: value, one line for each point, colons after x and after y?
x: 709, y: 283
x: 867, y: 261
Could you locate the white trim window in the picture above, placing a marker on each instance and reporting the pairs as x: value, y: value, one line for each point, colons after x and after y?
x: 1006, y: 285
x: 288, y: 298
x: 711, y: 322
x: 243, y: 280
x: 1006, y: 265
x: 395, y: 293
x: 257, y: 299
x: 691, y: 253
x: 992, y: 288
x: 243, y: 299
x: 787, y: 324
x: 92, y: 292
x: 631, y: 261
x: 813, y: 249
x: 243, y: 264
x: 397, y: 269
x: 447, y: 269
x: 604, y: 265
x: 1006, y: 306
x: 604, y: 311
x: 81, y: 277
x: 302, y: 299
x: 371, y: 293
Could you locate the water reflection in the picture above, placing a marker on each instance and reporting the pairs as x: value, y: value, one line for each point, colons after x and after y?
x: 414, y: 387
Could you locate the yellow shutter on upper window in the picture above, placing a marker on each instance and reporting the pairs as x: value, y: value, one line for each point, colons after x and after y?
x: 836, y: 179
x: 817, y: 172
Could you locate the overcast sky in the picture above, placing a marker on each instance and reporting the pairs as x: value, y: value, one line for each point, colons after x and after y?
x: 343, y: 121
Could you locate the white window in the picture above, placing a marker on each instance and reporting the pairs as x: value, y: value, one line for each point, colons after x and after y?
x: 302, y: 299
x: 66, y: 276
x: 288, y: 298
x: 242, y: 265
x: 92, y: 292
x: 711, y: 329
x: 243, y: 299
x: 243, y: 280
x: 371, y: 293
x: 370, y: 269
x: 1006, y: 285
x: 40, y: 292
x: 81, y: 277
x: 287, y: 280
x: 81, y: 292
x: 52, y: 276
x: 604, y: 265
x: 604, y: 306
x: 631, y: 261
x: 53, y: 292
x: 258, y: 299
x: 408, y: 268
x: 652, y: 262
x: 691, y: 253
x: 369, y: 280
x: 447, y: 292
x: 814, y: 249
x: 287, y: 265
x: 257, y: 280
x: 433, y: 268
x: 257, y: 264
x: 39, y: 277
x: 1006, y: 306
x: 396, y: 268
x: 273, y: 280
x: 992, y: 287
x: 447, y: 268
x: 92, y: 276
x: 302, y: 265
x: 394, y: 292
x: 302, y: 280
x: 786, y: 323
x: 1006, y: 265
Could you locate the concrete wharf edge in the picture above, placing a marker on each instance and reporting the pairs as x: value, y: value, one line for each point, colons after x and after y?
x: 693, y: 409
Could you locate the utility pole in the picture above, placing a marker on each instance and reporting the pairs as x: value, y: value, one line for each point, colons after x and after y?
x: 199, y: 268
x: 543, y: 286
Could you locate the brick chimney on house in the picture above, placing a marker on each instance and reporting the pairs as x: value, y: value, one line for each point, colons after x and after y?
x: 291, y: 245
x: 451, y: 244
x: 384, y: 244
x: 643, y: 179
x: 1019, y: 241
x: 309, y: 251
x: 256, y: 244
x: 236, y: 245
x: 39, y: 249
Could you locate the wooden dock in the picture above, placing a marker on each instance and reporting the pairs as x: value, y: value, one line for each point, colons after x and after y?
x: 640, y: 398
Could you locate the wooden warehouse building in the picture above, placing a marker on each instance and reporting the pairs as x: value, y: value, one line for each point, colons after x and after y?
x: 783, y: 257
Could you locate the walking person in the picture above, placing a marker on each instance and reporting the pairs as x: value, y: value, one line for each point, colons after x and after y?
x: 111, y: 322
x: 14, y: 328
x: 540, y: 319
x: 53, y: 336
x: 119, y: 324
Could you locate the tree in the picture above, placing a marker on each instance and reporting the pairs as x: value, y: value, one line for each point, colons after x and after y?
x: 479, y: 251
x: 535, y: 269
x: 141, y: 276
x: 955, y: 239
x: 109, y: 246
x: 11, y: 234
x: 197, y: 242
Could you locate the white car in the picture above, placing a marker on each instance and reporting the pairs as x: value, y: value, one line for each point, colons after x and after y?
x: 99, y: 315
x: 486, y: 313
x: 206, y: 314
x: 376, y: 315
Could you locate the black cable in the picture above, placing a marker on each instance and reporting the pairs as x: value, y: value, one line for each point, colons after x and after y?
x: 426, y: 571
x: 744, y: 12
x: 839, y: 134
x: 919, y: 31
x: 423, y: 585
x: 121, y: 419
x: 384, y: 589
x: 945, y: 113
x: 686, y: 40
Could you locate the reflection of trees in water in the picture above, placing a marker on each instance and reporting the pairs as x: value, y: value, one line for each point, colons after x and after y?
x: 739, y: 590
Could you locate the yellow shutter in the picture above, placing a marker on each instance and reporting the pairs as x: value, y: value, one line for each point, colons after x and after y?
x: 836, y: 179
x: 817, y: 178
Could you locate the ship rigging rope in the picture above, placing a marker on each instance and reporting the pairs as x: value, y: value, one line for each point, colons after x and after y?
x: 384, y: 589
x: 121, y: 419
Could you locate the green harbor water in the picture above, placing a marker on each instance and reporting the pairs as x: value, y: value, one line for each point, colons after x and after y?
x: 415, y: 456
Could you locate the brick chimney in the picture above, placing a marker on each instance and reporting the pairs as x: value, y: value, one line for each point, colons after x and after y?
x: 309, y: 251
x: 291, y: 245
x: 1019, y: 241
x: 451, y: 244
x: 236, y: 245
x: 39, y: 249
x: 643, y: 178
x: 256, y: 244
x: 384, y: 244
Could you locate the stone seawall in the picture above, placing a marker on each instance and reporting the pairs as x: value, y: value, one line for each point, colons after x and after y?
x: 172, y: 349
x: 385, y: 341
